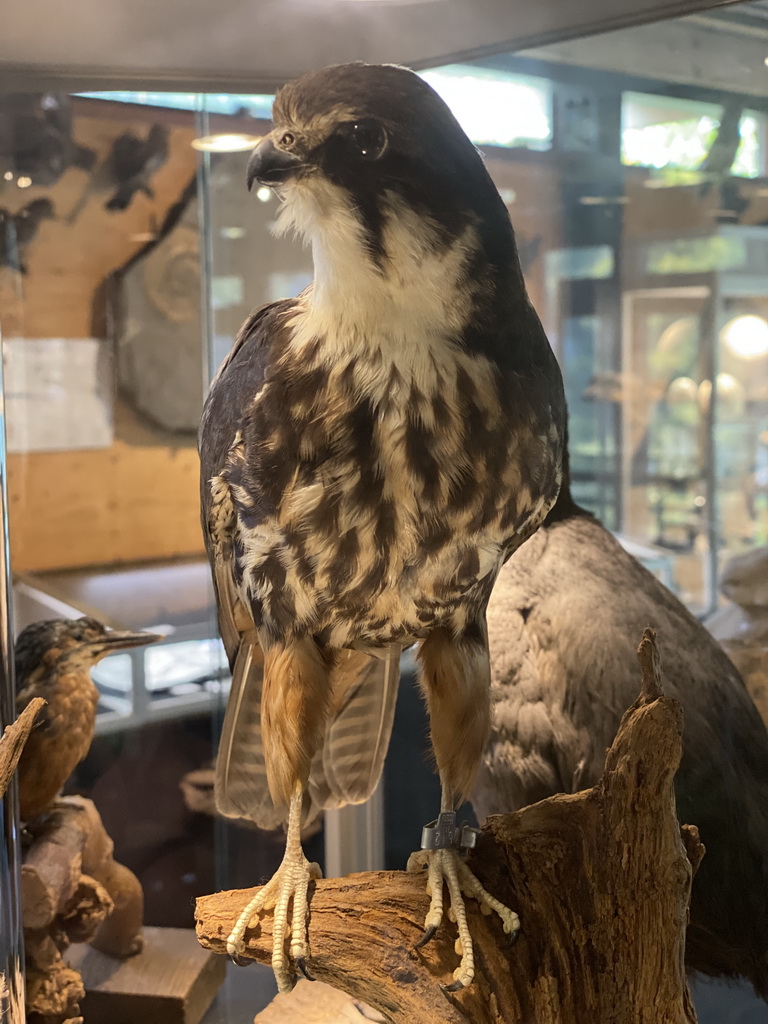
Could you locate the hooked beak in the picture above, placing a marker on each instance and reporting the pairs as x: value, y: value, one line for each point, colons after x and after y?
x: 272, y: 166
x: 118, y: 640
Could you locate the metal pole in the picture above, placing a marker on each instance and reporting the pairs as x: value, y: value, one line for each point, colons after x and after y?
x: 711, y: 320
x: 354, y: 837
x: 11, y: 935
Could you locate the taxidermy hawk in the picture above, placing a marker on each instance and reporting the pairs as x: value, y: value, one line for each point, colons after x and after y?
x: 372, y: 452
x: 565, y: 617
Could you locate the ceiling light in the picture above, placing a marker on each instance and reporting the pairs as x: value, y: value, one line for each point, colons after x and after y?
x: 746, y: 336
x: 23, y: 182
x: 264, y: 194
x: 8, y: 175
x: 226, y: 142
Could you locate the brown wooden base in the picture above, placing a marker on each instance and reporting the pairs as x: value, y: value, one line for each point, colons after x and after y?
x: 172, y: 980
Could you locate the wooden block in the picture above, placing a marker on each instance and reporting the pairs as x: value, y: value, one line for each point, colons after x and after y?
x: 316, y: 1003
x: 172, y: 981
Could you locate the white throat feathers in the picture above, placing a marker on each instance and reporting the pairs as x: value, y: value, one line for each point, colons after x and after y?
x: 418, y: 294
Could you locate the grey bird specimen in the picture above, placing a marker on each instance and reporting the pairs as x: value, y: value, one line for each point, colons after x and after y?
x: 371, y: 453
x: 564, y: 620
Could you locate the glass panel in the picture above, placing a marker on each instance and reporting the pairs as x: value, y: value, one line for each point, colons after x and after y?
x: 495, y: 108
x: 11, y: 924
x: 674, y: 190
x: 638, y: 191
x: 666, y: 448
x: 634, y: 168
x: 106, y: 364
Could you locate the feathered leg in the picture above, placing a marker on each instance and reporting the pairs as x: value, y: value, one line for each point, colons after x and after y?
x: 294, y: 706
x: 455, y: 678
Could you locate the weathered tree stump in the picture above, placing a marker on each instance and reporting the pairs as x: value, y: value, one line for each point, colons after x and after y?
x: 601, y: 880
x: 73, y: 891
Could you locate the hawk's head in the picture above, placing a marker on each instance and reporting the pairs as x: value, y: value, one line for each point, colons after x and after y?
x: 372, y: 144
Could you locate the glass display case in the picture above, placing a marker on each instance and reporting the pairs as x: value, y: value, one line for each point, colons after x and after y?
x: 130, y: 254
x: 694, y: 313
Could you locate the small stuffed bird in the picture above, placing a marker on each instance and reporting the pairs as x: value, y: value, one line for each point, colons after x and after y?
x: 564, y: 620
x: 18, y: 230
x: 54, y: 659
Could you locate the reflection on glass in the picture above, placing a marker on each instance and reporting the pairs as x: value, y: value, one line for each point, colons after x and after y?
x: 665, y: 131
x: 639, y: 193
x: 664, y: 452
x: 496, y: 108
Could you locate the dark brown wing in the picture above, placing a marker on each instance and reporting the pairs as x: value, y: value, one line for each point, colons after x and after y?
x: 350, y: 758
x: 238, y: 380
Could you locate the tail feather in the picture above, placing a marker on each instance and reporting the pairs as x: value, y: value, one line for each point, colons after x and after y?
x: 240, y: 788
x: 348, y: 767
x: 348, y: 762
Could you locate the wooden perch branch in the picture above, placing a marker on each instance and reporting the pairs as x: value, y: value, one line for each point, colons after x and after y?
x: 601, y: 880
x: 13, y: 739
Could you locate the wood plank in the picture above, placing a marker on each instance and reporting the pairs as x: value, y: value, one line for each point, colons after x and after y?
x: 122, y: 504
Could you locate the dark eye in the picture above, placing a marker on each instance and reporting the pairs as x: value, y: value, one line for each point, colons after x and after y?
x: 287, y: 139
x: 367, y: 138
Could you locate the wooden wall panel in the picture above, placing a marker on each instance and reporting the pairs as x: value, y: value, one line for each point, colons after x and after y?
x: 124, y: 504
x: 137, y: 500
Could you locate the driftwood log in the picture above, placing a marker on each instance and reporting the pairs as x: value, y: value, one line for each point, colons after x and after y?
x: 72, y: 891
x: 13, y: 739
x: 601, y: 880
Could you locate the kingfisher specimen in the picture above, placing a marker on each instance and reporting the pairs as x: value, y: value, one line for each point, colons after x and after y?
x: 53, y: 660
x: 564, y: 620
x: 371, y: 452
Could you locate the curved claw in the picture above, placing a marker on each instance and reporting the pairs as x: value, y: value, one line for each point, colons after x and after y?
x: 428, y: 935
x: 455, y: 986
x: 301, y: 967
x: 513, y: 938
x: 240, y: 961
